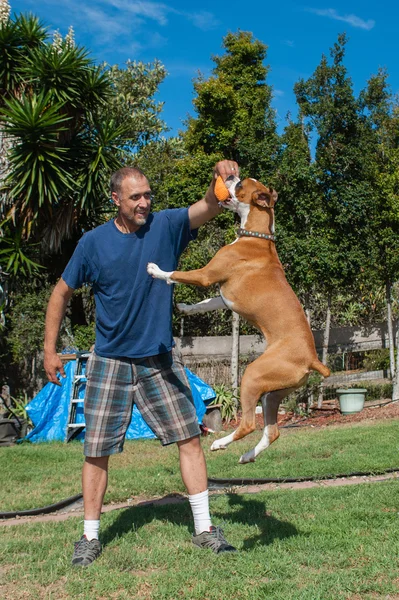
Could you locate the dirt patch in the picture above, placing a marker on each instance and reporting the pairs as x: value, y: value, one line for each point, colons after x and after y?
x: 330, y: 415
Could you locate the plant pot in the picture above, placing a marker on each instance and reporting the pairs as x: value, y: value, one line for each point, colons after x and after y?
x: 351, y: 400
x: 213, y: 418
x: 9, y: 431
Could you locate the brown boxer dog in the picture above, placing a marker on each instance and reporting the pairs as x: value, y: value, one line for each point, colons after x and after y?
x: 253, y: 284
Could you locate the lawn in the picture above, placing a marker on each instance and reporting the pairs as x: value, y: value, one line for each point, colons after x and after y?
x: 35, y: 475
x: 322, y: 543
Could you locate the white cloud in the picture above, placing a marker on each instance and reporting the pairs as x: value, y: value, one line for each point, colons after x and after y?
x: 353, y: 20
x: 203, y: 20
x: 97, y: 21
x: 142, y: 11
x: 289, y: 43
x: 131, y: 26
x: 278, y: 93
x: 146, y: 10
x: 183, y: 69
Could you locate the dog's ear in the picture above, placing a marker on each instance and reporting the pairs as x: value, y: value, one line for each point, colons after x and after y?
x: 265, y: 199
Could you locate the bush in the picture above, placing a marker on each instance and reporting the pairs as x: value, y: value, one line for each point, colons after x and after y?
x: 84, y: 336
x: 375, y: 391
x: 377, y: 360
x: 228, y: 402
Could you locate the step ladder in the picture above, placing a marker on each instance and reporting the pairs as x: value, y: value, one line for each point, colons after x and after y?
x: 75, y: 423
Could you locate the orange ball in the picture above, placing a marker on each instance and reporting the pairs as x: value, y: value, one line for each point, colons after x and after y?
x: 221, y: 191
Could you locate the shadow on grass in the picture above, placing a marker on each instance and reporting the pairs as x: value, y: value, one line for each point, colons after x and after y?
x: 176, y: 509
x: 252, y: 512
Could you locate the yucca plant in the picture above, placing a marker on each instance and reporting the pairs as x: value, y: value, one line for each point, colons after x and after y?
x: 14, y: 252
x: 16, y: 37
x: 62, y: 130
x: 62, y: 150
x: 228, y: 401
x: 39, y: 167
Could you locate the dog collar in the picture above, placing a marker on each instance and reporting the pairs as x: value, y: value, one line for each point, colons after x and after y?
x: 246, y: 233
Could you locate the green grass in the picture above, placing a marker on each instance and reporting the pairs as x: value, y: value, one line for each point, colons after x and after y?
x: 319, y: 544
x: 35, y: 475
x: 314, y: 544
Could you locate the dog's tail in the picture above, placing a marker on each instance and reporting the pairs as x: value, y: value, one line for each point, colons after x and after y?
x: 320, y: 368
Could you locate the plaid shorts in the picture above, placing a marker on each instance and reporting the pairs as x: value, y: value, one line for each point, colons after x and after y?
x: 159, y: 387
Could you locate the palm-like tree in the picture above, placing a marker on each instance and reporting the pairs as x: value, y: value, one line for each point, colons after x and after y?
x: 63, y: 146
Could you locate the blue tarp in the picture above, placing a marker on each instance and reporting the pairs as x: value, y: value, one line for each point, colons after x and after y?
x: 49, y: 410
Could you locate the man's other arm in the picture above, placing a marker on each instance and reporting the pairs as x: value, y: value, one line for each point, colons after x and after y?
x: 55, y: 313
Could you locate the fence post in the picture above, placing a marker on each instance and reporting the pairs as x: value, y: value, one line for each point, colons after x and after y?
x: 235, y: 352
x: 395, y: 378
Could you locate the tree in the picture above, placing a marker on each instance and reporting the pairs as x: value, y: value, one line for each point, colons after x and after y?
x: 234, y: 120
x: 61, y: 150
x: 71, y: 123
x: 383, y: 114
x: 234, y: 114
x: 132, y: 105
x: 345, y: 150
x: 300, y: 221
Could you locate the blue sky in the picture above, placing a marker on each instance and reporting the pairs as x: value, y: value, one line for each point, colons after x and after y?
x: 184, y: 36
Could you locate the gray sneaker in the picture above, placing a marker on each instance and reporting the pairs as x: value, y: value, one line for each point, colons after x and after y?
x: 213, y: 539
x: 86, y: 552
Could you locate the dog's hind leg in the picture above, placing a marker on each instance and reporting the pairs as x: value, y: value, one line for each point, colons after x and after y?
x: 270, y: 404
x: 250, y: 392
x: 269, y: 374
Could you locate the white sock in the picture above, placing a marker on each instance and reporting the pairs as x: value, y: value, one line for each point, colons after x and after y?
x: 200, y: 506
x: 91, y: 529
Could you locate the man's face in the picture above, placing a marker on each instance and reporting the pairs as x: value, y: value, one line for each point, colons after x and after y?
x: 134, y: 200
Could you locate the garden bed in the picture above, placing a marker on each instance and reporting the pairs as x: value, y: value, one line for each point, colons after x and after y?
x: 329, y: 415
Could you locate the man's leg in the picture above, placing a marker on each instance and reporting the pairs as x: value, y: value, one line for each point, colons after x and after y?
x: 94, y: 485
x: 193, y: 465
x: 194, y: 475
x: 107, y: 408
x: 164, y: 398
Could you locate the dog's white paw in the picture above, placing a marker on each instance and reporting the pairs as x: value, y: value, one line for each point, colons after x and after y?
x: 182, y: 307
x: 157, y: 273
x: 217, y: 446
x: 153, y: 269
x: 247, y: 458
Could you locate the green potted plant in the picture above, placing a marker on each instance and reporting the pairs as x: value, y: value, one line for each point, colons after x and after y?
x: 19, y: 413
x: 222, y: 409
x: 351, y: 399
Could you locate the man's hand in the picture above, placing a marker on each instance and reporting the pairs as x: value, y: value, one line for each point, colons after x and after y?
x: 207, y: 208
x: 225, y: 168
x: 52, y: 366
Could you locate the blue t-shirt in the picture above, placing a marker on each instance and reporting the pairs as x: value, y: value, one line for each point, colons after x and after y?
x: 133, y: 310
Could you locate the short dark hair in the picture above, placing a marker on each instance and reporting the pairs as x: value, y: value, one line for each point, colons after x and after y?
x: 121, y: 174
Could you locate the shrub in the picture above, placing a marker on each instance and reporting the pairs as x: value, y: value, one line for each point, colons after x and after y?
x: 228, y: 401
x: 375, y: 391
x: 376, y: 360
x: 84, y: 336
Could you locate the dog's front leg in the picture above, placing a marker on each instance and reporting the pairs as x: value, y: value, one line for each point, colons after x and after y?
x: 157, y: 273
x: 201, y: 307
x: 215, y: 271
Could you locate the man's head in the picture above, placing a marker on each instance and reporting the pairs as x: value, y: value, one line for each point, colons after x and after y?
x: 131, y: 193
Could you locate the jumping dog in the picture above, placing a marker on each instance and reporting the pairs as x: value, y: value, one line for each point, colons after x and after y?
x: 253, y: 284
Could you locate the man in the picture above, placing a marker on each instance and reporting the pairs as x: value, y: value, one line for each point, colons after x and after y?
x: 134, y: 360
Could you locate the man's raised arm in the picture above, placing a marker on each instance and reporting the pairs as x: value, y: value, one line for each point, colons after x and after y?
x: 207, y: 208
